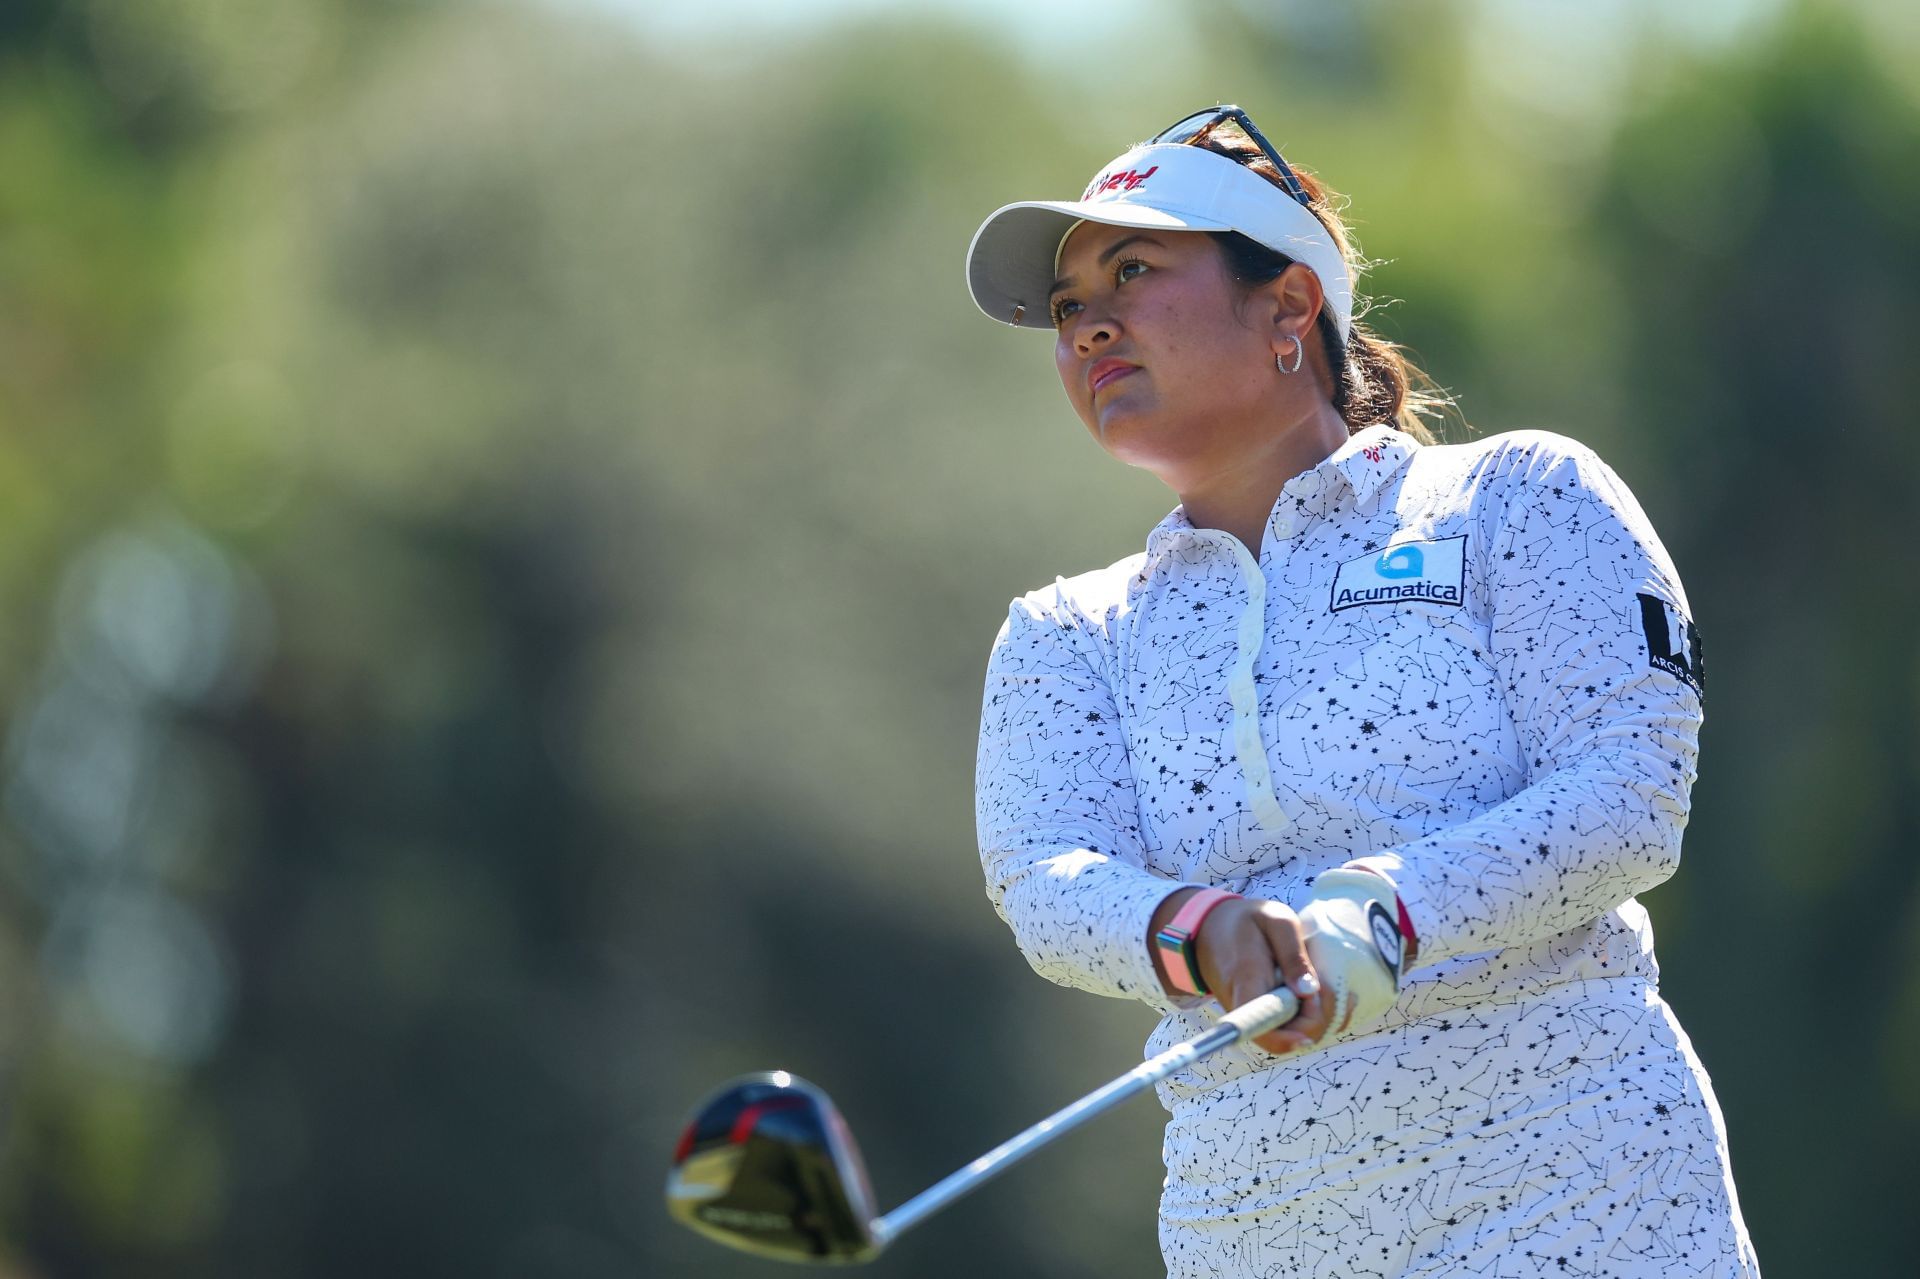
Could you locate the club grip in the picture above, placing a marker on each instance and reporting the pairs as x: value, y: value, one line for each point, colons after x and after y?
x: 1257, y: 1016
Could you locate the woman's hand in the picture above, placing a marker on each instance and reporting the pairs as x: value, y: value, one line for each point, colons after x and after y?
x: 1244, y: 948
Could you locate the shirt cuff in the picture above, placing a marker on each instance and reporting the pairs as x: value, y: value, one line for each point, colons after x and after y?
x: 1406, y: 887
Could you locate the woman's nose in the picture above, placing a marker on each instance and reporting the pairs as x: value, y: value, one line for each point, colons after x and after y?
x: 1091, y: 331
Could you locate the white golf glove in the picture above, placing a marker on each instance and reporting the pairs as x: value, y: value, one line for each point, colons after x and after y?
x: 1352, y: 925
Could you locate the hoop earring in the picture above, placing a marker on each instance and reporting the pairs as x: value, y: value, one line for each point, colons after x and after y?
x: 1299, y: 356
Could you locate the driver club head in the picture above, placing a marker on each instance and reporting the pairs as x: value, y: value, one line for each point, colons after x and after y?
x: 767, y: 1165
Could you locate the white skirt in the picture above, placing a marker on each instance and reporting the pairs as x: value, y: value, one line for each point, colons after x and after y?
x: 1572, y: 1133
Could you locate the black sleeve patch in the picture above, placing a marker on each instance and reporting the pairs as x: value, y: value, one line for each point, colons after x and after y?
x: 1673, y: 645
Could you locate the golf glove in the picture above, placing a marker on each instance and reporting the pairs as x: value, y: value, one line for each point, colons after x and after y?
x: 1353, y: 939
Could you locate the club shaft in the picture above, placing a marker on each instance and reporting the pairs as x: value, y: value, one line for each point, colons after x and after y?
x: 1252, y: 1018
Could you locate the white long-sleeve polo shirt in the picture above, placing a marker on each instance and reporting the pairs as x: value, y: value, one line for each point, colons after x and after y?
x: 1467, y: 666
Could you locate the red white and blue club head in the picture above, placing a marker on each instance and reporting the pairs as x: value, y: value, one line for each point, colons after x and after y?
x: 768, y: 1166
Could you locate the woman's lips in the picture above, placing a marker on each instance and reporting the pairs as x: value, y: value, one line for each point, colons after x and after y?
x: 1105, y: 376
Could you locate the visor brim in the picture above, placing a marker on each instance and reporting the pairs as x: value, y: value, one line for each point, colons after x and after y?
x: 1011, y: 262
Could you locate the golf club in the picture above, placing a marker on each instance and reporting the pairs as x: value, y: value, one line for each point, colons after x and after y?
x: 768, y: 1166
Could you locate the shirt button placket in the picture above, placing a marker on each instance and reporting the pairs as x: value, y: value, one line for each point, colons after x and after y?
x: 1246, y: 704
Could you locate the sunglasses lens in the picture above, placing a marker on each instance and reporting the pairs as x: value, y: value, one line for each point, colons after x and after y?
x: 1188, y: 129
x: 1207, y: 125
x: 1229, y: 128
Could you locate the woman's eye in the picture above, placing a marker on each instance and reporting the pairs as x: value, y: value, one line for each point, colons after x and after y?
x: 1122, y: 272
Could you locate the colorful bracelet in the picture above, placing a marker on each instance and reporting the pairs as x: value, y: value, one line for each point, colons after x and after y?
x: 1176, y: 941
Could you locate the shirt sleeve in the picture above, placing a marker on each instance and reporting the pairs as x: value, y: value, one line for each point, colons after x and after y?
x: 1601, y: 670
x: 1057, y: 816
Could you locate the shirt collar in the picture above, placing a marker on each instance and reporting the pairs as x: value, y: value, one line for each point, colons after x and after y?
x: 1366, y: 462
x: 1175, y: 522
x: 1370, y: 458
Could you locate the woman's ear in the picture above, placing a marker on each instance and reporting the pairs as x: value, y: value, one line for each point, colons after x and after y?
x: 1291, y: 304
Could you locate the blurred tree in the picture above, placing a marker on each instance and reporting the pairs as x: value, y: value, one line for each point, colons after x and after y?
x: 1764, y: 218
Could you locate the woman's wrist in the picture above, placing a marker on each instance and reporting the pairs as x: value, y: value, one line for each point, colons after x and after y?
x: 1175, y: 937
x: 1162, y: 916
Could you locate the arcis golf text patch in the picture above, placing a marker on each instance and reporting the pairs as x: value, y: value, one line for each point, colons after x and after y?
x: 1673, y: 642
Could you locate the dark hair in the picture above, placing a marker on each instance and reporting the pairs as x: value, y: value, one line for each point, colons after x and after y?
x: 1374, y: 381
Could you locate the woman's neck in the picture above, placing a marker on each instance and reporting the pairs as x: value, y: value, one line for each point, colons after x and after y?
x: 1238, y: 495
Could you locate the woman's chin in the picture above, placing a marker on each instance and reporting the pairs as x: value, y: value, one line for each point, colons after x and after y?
x: 1137, y: 439
x: 1119, y: 425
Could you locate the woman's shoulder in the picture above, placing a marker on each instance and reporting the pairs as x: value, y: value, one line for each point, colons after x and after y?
x: 1517, y: 450
x: 1086, y: 604
x: 1489, y: 467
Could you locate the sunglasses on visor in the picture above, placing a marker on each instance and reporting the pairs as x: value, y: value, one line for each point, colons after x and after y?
x: 1200, y: 124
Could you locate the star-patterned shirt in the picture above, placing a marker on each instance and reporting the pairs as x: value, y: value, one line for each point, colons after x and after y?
x: 1469, y: 667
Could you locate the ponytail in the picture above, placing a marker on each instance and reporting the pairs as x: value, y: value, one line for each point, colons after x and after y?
x: 1375, y: 382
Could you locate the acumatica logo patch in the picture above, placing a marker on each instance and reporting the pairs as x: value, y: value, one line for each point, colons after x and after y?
x: 1432, y: 572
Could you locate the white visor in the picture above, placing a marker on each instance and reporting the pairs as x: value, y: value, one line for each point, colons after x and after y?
x: 1013, y: 260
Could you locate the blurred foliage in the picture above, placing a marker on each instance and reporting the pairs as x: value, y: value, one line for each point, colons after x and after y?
x: 502, y: 518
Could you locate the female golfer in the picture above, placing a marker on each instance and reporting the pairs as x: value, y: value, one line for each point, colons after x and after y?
x: 1401, y: 723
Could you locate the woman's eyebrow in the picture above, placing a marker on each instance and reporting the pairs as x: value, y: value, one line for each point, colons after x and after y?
x: 1106, y: 256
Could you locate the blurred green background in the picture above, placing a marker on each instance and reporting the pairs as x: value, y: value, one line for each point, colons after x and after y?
x: 503, y: 511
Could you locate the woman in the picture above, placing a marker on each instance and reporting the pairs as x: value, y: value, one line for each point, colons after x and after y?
x: 1404, y: 724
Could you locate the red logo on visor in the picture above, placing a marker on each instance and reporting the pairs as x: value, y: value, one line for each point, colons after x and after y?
x: 1126, y: 181
x: 1373, y: 451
